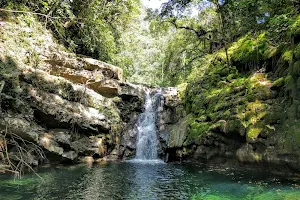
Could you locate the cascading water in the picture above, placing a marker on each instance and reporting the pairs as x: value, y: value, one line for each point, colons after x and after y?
x: 146, y: 128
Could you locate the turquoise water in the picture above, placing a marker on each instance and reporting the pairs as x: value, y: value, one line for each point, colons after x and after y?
x: 133, y: 180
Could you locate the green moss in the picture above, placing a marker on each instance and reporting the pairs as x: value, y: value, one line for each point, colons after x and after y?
x: 230, y: 77
x: 201, y: 118
x: 196, y: 130
x: 282, y: 68
x: 292, y: 111
x: 297, y: 52
x: 270, y: 52
x: 182, y: 90
x: 275, y: 115
x: 296, y: 69
x: 227, y: 114
x: 248, y: 49
x: 288, y: 56
x: 250, y: 117
x: 295, y: 27
x: 298, y: 83
x: 262, y: 91
x: 236, y: 103
x: 221, y: 106
x: 235, y: 126
x: 214, y: 116
x: 251, y: 97
x: 289, y: 83
x: 278, y: 83
x: 290, y: 140
x: 256, y: 106
x: 224, y: 71
x: 253, y: 132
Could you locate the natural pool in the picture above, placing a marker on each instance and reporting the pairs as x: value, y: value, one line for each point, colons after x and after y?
x: 130, y: 180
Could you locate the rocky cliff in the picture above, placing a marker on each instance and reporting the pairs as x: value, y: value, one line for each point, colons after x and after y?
x: 169, y: 112
x: 245, y: 117
x: 59, y: 106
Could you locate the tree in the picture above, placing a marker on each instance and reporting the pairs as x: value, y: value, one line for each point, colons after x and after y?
x: 91, y: 27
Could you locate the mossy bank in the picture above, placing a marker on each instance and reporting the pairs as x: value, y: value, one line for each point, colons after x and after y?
x: 246, y: 111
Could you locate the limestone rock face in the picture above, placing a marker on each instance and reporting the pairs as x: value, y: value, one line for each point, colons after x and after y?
x: 246, y: 154
x: 129, y: 89
x: 128, y: 138
x: 97, y: 75
x: 72, y: 108
x: 54, y: 107
x: 108, y: 88
x: 171, y: 123
x: 171, y: 97
x: 178, y: 133
x: 83, y: 68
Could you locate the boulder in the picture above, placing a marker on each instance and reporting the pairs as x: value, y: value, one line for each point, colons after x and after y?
x: 247, y: 154
x: 60, y: 135
x: 90, y: 146
x: 85, y: 67
x: 57, y: 112
x: 171, y: 97
x: 177, y: 133
x: 107, y: 88
x: 128, y: 139
x: 20, y: 126
x: 129, y: 89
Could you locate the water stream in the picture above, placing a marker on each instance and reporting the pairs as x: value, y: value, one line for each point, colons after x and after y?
x: 146, y: 128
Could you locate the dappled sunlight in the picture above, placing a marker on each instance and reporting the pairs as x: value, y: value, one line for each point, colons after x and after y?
x: 45, y: 140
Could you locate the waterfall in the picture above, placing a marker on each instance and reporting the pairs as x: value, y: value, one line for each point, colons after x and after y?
x: 146, y: 128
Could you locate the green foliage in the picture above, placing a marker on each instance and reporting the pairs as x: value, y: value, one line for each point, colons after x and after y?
x: 278, y: 28
x: 142, y: 52
x: 91, y: 28
x: 295, y: 27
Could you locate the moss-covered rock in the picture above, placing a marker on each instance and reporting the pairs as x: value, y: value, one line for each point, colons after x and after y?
x: 235, y: 126
x: 247, y: 154
x: 248, y: 107
x: 295, y: 71
x: 277, y: 84
x: 253, y: 132
x: 196, y: 130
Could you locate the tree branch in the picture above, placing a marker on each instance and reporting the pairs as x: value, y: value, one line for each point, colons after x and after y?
x: 2, y: 83
x: 199, y: 33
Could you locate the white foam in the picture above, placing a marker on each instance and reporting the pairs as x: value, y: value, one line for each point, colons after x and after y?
x: 151, y: 162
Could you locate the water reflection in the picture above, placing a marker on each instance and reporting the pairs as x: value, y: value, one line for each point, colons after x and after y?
x: 144, y: 181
